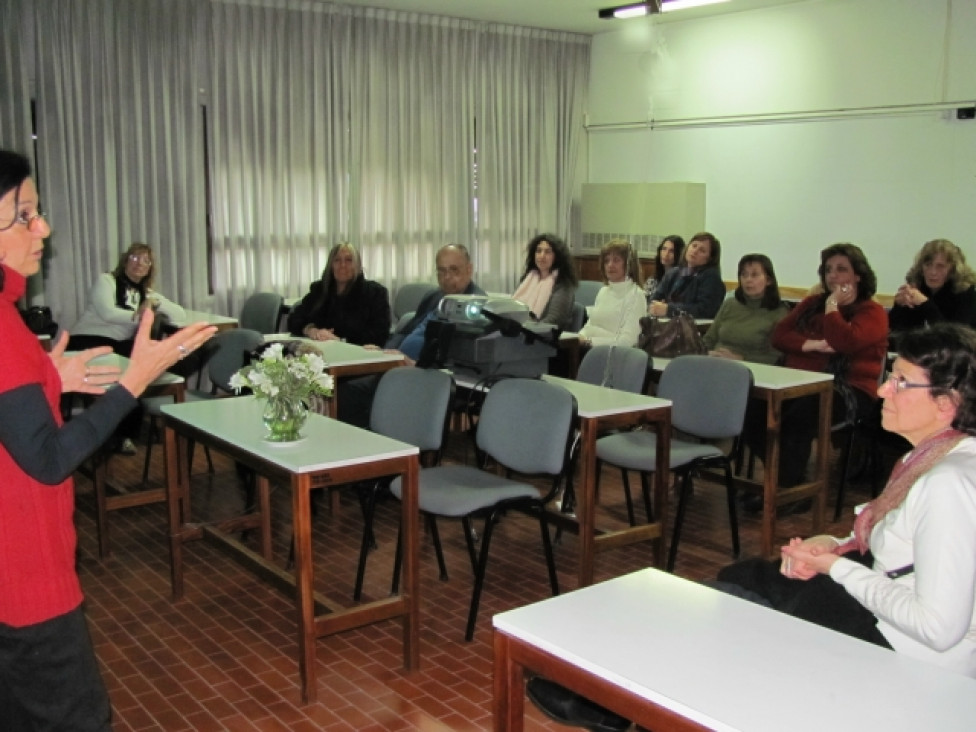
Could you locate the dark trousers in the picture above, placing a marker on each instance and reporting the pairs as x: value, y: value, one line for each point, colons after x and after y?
x: 800, y: 424
x: 49, y: 678
x: 819, y: 600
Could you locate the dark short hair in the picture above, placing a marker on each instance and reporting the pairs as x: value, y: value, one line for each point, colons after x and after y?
x: 563, y: 260
x: 714, y: 246
x: 947, y: 353
x: 859, y: 263
x: 14, y: 170
x: 771, y: 298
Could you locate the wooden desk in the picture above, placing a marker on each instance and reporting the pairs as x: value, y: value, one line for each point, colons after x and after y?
x: 775, y: 385
x: 601, y: 408
x: 166, y: 385
x: 331, y: 453
x: 671, y: 654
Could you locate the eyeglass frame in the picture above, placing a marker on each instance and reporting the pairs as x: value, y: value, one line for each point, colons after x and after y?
x: 901, y: 384
x: 141, y: 258
x: 26, y: 219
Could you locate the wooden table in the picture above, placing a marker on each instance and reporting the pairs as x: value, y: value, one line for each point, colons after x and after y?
x: 105, y: 501
x: 601, y: 408
x: 671, y: 654
x: 331, y: 453
x: 776, y: 385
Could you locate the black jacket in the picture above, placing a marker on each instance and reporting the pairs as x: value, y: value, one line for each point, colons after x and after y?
x: 361, y: 316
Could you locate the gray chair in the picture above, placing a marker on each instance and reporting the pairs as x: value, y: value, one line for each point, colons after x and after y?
x: 411, y: 405
x: 262, y: 312
x: 708, y: 397
x: 586, y: 292
x: 226, y: 353
x: 617, y: 367
x: 525, y: 428
x: 408, y: 297
x: 578, y: 318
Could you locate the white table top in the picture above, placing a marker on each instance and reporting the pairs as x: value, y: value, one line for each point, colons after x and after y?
x: 114, y: 359
x: 769, y: 377
x: 326, y: 443
x: 338, y: 353
x: 195, y: 316
x: 732, y: 665
x: 593, y: 400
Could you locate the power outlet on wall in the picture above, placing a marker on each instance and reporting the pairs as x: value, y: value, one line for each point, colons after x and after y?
x: 966, y: 113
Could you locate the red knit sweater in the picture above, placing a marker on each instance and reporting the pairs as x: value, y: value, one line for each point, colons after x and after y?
x: 860, y: 333
x: 37, y: 533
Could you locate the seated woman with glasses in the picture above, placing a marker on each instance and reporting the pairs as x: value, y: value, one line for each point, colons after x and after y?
x: 115, y: 305
x: 343, y: 304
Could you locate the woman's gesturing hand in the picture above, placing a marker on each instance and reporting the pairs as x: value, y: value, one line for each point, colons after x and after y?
x: 151, y: 358
x: 75, y: 371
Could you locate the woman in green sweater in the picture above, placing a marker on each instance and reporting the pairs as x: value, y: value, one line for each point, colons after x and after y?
x: 745, y: 322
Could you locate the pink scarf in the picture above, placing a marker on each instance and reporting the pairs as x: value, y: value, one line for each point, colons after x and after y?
x: 535, y: 291
x: 909, y: 469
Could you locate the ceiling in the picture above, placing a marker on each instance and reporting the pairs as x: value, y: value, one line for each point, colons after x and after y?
x: 575, y: 16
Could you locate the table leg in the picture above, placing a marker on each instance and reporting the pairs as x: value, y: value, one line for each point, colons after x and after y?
x: 263, y: 488
x: 99, y: 462
x: 410, y: 518
x: 662, y: 479
x: 508, y: 698
x: 302, y: 529
x: 774, y: 409
x: 823, y: 454
x: 177, y: 503
x: 586, y: 505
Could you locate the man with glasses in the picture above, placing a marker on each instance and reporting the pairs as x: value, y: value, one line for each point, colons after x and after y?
x: 454, y: 271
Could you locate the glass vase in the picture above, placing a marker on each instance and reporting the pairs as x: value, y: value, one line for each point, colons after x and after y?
x: 284, y: 418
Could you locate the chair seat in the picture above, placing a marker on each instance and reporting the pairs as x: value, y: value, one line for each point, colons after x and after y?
x: 459, y: 490
x: 638, y: 451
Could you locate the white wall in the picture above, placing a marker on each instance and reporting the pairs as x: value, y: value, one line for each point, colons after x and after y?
x: 815, y: 172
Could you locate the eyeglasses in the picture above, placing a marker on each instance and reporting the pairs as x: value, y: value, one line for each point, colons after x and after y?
x: 901, y: 383
x: 30, y: 220
x: 140, y: 258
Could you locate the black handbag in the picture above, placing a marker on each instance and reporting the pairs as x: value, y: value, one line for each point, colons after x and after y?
x: 670, y: 337
x: 39, y: 320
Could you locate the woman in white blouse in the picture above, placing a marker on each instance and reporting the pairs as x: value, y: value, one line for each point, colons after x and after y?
x: 614, y: 318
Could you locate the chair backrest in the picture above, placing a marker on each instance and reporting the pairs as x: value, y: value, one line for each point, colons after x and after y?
x: 231, y: 349
x: 618, y: 367
x: 527, y: 425
x: 408, y: 297
x: 586, y: 292
x: 261, y: 312
x: 411, y: 405
x: 708, y: 395
x: 578, y: 318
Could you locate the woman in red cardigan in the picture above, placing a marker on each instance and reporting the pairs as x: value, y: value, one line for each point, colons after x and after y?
x: 841, y: 330
x: 49, y: 677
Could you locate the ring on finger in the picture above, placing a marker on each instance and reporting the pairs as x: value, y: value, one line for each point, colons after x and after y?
x: 184, y: 351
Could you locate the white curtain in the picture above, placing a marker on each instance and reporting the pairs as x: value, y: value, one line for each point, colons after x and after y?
x: 293, y: 124
x: 120, y: 144
x: 530, y: 110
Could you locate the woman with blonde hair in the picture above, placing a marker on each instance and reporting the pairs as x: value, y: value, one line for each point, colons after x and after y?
x: 938, y: 287
x: 614, y: 318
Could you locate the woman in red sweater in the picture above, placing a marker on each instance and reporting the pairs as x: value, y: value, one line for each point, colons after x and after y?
x: 49, y: 677
x: 841, y: 330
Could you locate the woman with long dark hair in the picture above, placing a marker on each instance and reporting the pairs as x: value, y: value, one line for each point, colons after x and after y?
x: 548, y: 285
x: 667, y: 258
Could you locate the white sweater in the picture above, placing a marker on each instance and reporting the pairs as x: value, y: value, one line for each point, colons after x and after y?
x: 614, y: 317
x: 104, y: 318
x: 929, y: 614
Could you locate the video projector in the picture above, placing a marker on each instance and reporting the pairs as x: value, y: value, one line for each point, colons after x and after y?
x: 482, y: 336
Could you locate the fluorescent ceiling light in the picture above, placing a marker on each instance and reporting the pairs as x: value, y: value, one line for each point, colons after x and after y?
x: 669, y: 5
x: 636, y: 10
